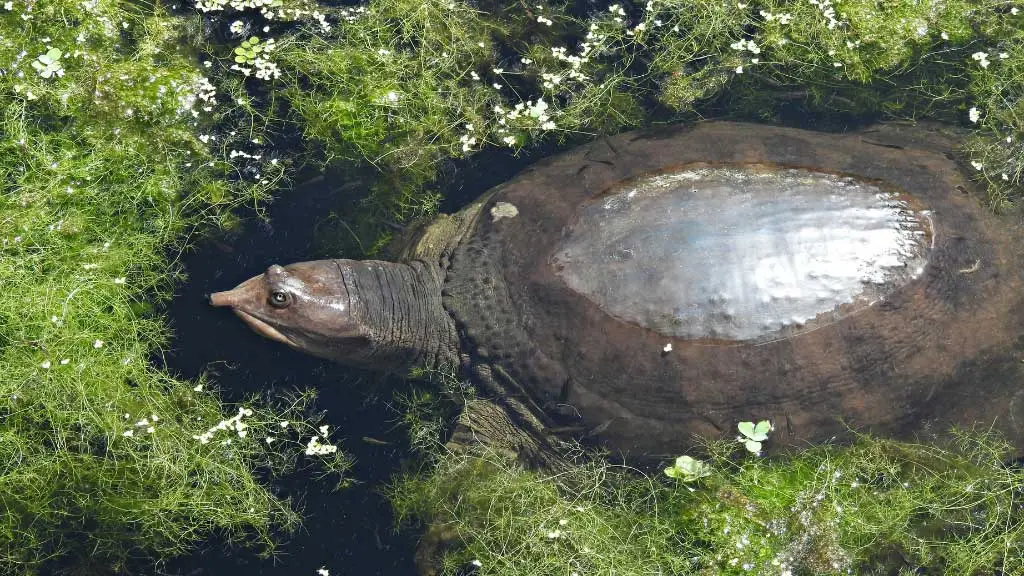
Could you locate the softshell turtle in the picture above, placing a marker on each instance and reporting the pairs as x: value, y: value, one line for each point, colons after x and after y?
x: 664, y: 284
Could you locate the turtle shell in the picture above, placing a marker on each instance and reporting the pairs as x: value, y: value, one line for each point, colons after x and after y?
x: 658, y: 285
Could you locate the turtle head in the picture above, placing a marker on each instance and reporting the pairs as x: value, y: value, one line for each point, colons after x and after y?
x: 304, y: 305
x: 371, y: 314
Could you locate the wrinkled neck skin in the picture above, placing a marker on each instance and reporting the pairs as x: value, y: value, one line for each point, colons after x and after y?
x: 401, y: 322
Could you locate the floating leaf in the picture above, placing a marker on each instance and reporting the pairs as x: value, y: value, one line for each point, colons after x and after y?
x: 688, y: 469
x: 752, y: 446
x: 758, y: 433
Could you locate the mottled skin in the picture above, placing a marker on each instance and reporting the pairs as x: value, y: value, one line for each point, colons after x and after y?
x: 944, y: 349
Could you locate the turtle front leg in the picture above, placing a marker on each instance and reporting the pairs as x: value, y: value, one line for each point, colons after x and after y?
x: 487, y: 426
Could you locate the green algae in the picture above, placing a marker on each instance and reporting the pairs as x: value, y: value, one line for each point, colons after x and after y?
x: 103, y: 175
x: 874, y: 507
x: 148, y: 129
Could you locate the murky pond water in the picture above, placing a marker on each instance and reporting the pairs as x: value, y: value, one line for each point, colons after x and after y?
x: 350, y: 531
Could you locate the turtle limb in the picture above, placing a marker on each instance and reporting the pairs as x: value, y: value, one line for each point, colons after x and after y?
x: 494, y: 428
x: 498, y: 424
x: 504, y: 424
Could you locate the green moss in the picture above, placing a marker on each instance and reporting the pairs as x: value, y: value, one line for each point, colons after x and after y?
x: 876, y: 507
x: 590, y: 520
x: 146, y: 129
x: 103, y: 174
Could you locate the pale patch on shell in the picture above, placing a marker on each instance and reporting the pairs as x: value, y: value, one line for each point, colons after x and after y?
x: 503, y: 210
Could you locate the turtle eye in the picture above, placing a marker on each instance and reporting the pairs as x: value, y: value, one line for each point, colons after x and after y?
x: 279, y: 299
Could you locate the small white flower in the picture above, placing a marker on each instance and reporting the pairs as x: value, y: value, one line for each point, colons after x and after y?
x: 128, y: 433
x: 97, y: 344
x: 8, y: 6
x: 549, y: 125
x: 197, y: 388
x: 739, y: 69
x: 974, y: 114
x: 496, y: 86
x: 977, y: 165
x: 65, y: 361
x: 322, y: 571
x: 544, y: 21
x: 667, y: 348
x: 46, y: 364
x: 944, y: 36
x: 283, y: 424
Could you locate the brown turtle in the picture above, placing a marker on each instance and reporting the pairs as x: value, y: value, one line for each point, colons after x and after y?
x: 664, y: 284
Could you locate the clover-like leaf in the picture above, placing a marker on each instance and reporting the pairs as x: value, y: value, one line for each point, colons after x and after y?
x: 49, y: 64
x: 688, y: 469
x: 752, y: 446
x: 51, y: 56
x: 758, y: 433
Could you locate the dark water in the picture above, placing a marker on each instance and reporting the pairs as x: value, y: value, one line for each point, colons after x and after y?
x: 343, y: 530
x: 350, y: 531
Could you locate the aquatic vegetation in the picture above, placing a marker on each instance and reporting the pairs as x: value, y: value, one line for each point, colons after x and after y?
x: 399, y: 85
x: 107, y: 463
x: 876, y: 507
x: 126, y: 127
x: 752, y: 435
x: 687, y: 469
